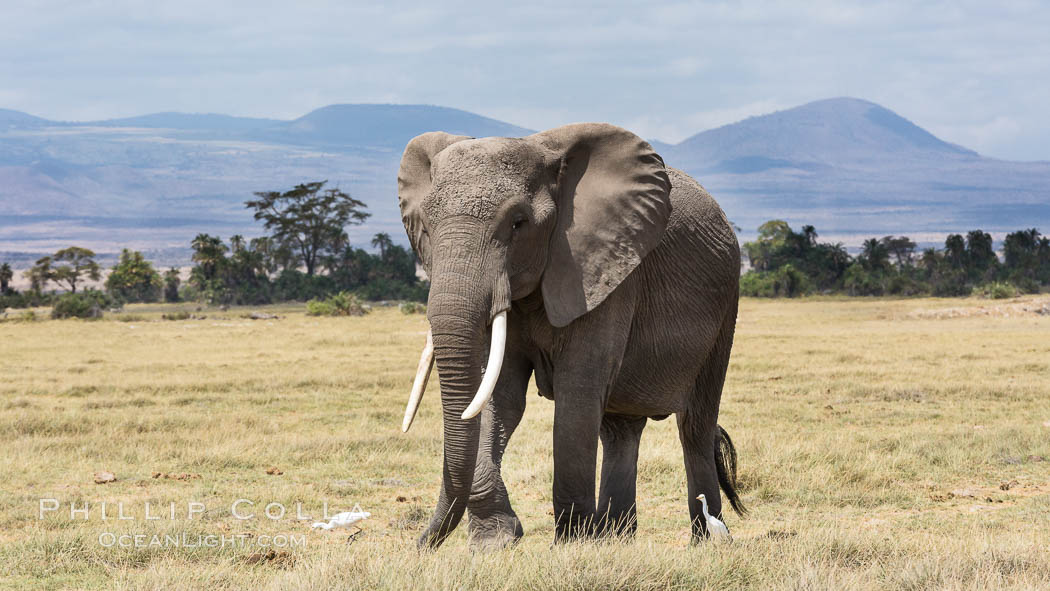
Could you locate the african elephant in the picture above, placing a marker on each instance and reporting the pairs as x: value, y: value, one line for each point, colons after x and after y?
x: 573, y: 254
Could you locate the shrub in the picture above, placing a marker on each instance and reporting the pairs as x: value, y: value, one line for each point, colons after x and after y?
x: 180, y: 315
x: 26, y: 299
x: 859, y: 281
x: 902, y: 284
x: 757, y: 284
x: 86, y: 304
x: 295, y: 285
x: 951, y: 284
x: 134, y: 279
x: 1024, y: 284
x: 189, y: 293
x: 787, y: 281
x: 319, y: 308
x: 341, y: 304
x: 413, y: 308
x: 383, y: 288
x: 997, y: 290
x: 27, y: 316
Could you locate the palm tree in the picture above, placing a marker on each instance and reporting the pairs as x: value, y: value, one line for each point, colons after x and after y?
x: 209, y: 253
x: 875, y: 254
x: 171, y: 285
x: 839, y: 258
x: 810, y: 234
x: 383, y: 242
x: 5, y: 277
x: 955, y: 250
x: 930, y: 260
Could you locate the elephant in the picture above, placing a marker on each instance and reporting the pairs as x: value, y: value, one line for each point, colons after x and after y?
x: 576, y: 256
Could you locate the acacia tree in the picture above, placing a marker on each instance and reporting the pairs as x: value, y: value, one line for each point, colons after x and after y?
x: 311, y: 220
x: 900, y: 247
x: 80, y: 263
x: 38, y: 274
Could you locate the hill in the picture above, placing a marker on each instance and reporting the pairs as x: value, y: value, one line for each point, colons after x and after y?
x: 848, y: 166
x: 386, y: 126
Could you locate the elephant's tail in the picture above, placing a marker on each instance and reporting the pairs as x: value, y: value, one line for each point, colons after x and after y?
x: 725, y: 465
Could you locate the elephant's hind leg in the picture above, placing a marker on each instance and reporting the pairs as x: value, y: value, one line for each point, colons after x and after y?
x: 620, y: 435
x: 699, y: 434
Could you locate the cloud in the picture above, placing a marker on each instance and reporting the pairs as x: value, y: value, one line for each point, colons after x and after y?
x: 986, y: 136
x: 668, y: 69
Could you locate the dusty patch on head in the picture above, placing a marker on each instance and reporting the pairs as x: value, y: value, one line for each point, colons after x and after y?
x: 475, y: 177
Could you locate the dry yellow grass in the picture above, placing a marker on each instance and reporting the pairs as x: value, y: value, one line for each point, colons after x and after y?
x: 873, y: 443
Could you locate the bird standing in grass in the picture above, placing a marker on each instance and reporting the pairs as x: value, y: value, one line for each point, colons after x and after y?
x: 715, y: 528
x: 344, y: 519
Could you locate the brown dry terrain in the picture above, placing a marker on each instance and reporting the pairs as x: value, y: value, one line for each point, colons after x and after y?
x: 883, y: 444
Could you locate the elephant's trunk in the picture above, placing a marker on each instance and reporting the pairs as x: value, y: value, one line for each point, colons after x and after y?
x: 460, y: 308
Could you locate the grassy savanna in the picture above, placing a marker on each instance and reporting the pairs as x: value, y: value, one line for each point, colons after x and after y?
x: 883, y: 444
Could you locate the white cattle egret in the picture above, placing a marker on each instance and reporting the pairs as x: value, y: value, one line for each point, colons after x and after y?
x: 715, y: 528
x: 344, y: 519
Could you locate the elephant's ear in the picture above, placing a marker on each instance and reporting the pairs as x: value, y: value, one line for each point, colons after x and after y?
x: 413, y: 178
x: 613, y: 198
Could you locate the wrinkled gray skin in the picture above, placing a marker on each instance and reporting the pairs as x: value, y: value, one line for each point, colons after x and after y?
x: 620, y: 277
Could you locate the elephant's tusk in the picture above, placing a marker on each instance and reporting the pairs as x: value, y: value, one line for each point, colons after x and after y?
x: 426, y: 363
x: 495, y: 363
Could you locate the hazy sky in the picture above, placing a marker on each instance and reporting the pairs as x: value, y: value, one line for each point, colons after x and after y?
x: 973, y: 73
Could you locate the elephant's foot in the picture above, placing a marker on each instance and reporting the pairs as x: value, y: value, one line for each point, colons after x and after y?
x: 623, y: 525
x: 494, y: 531
x: 440, y: 527
x: 571, y: 526
x: 429, y: 540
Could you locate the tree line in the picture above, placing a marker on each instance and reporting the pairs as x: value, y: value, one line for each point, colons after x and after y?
x: 306, y: 254
x: 786, y: 263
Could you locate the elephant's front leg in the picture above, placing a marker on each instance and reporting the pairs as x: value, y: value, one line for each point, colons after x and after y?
x: 576, y: 423
x: 583, y: 376
x: 493, y: 523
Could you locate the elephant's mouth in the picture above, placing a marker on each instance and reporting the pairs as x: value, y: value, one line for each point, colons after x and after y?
x: 490, y: 375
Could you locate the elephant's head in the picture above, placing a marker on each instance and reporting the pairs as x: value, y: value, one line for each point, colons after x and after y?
x: 570, y: 211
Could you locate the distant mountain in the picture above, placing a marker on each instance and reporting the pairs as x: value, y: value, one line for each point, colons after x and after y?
x: 183, y: 121
x: 9, y: 118
x: 827, y: 133
x: 155, y: 181
x: 848, y: 166
x: 388, y: 126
